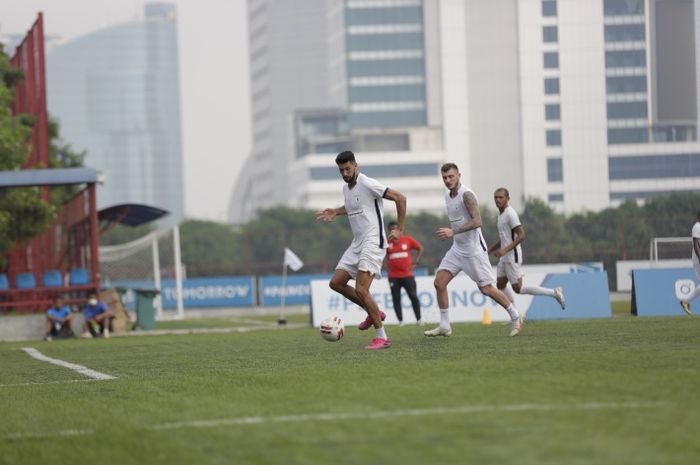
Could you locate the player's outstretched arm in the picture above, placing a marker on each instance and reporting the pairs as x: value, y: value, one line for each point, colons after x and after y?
x: 330, y: 213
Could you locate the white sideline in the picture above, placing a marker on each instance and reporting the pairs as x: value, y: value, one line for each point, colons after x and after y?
x: 339, y: 416
x: 405, y: 413
x: 64, y: 433
x: 72, y: 366
x: 91, y: 380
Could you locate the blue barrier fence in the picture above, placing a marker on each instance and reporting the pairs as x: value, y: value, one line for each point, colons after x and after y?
x: 229, y: 291
x: 657, y: 292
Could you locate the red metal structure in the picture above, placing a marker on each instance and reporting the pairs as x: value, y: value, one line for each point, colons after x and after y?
x: 67, y: 252
x: 71, y: 244
x: 30, y: 93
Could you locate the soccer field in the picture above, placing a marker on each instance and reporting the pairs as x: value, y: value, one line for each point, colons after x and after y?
x: 613, y: 391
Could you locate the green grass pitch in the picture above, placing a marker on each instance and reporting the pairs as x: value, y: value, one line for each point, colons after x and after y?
x: 613, y: 391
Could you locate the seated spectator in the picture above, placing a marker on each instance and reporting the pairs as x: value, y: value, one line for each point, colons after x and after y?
x: 97, y: 317
x: 58, y: 320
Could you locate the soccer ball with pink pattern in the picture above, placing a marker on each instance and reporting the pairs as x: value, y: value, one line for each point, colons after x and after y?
x: 332, y: 329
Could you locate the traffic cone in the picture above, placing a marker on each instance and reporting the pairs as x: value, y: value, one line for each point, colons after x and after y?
x: 486, y: 318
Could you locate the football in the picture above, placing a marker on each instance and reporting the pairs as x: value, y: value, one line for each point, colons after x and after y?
x: 332, y: 329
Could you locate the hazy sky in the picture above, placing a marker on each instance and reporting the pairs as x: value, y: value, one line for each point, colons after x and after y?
x: 214, y: 86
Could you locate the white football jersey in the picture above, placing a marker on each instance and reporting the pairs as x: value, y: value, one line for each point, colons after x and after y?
x: 365, y: 209
x: 507, y: 222
x: 469, y: 243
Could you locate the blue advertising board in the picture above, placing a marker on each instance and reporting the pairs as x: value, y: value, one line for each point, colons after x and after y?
x: 298, y: 289
x: 587, y: 296
x: 657, y: 292
x: 224, y: 291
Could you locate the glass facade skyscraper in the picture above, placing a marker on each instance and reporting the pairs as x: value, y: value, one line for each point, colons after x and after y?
x: 385, y: 49
x: 115, y: 93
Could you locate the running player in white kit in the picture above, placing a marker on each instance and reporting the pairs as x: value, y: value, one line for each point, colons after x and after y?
x: 468, y: 252
x: 510, y: 254
x: 362, y: 261
x: 696, y: 266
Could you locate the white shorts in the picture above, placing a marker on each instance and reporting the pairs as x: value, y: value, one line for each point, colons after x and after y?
x: 696, y: 267
x: 370, y: 259
x: 510, y: 270
x: 476, y: 267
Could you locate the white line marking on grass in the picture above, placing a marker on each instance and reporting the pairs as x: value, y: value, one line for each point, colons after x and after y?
x: 92, y: 380
x: 53, y: 434
x: 339, y: 416
x: 72, y: 366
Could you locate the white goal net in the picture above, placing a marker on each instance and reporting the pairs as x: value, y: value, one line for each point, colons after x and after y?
x: 670, y: 251
x: 145, y: 263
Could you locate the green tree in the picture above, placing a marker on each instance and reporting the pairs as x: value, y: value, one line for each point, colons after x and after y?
x: 62, y: 155
x: 23, y: 214
x: 210, y: 249
x: 257, y: 247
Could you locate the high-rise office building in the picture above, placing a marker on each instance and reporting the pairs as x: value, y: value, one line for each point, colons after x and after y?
x: 611, y: 104
x: 583, y: 104
x: 347, y: 74
x: 116, y: 94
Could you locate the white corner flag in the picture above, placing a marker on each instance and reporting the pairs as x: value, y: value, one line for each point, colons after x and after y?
x: 291, y: 260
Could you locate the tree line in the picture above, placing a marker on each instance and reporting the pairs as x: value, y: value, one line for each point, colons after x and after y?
x: 256, y: 248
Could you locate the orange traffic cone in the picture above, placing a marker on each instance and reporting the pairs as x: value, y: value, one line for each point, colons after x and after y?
x: 486, y: 318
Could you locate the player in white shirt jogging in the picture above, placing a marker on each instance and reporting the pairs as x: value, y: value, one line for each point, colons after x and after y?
x: 468, y: 253
x: 362, y: 261
x: 510, y: 255
x: 696, y: 265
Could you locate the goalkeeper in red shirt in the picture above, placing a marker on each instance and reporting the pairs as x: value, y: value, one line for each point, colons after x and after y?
x: 399, y: 259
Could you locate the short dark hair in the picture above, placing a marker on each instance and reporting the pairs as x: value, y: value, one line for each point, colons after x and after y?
x: 447, y: 167
x: 344, y: 157
x: 504, y: 190
x: 393, y: 223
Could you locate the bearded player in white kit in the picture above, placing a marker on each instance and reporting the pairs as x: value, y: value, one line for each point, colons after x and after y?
x: 468, y: 253
x: 362, y: 261
x: 510, y: 255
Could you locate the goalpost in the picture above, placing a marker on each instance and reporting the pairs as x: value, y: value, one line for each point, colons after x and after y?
x: 141, y: 263
x: 670, y: 250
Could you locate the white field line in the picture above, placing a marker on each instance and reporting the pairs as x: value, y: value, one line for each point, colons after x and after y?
x: 91, y: 380
x: 253, y: 322
x: 340, y: 416
x: 71, y: 366
x: 63, y: 433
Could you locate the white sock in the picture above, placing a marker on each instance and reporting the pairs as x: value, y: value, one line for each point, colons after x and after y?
x: 508, y: 291
x: 693, y: 295
x: 380, y: 333
x: 513, y: 312
x: 537, y: 290
x: 445, y: 318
